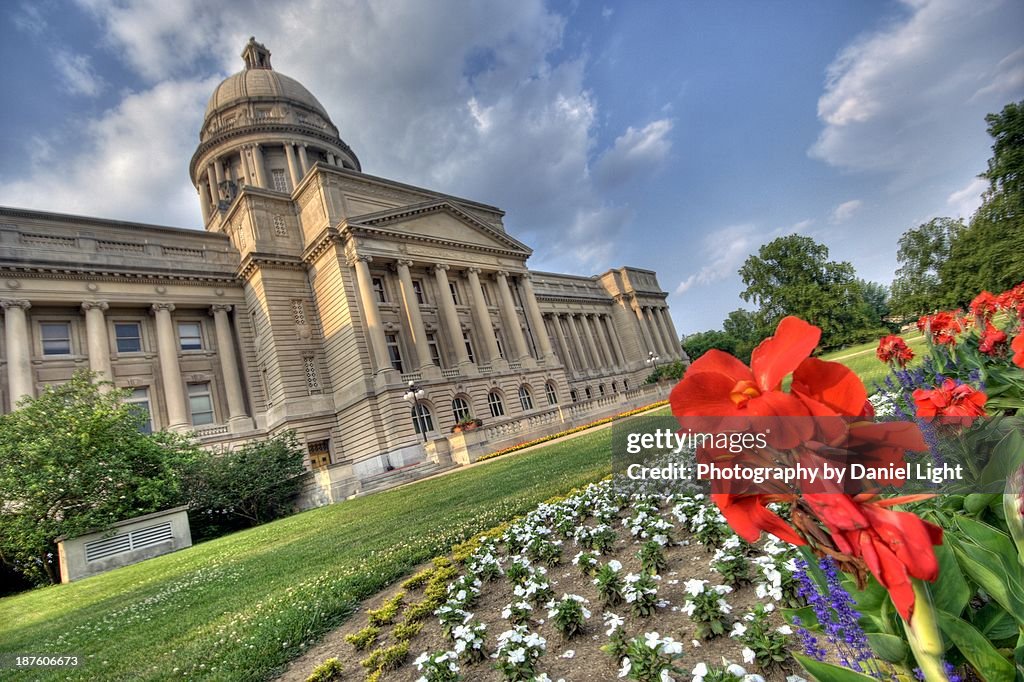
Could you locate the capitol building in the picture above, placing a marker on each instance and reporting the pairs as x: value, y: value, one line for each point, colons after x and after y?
x: 314, y: 297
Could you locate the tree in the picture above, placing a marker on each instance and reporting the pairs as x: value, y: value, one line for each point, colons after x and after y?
x: 247, y: 486
x: 73, y: 460
x: 793, y: 276
x: 699, y: 343
x: 745, y: 331
x: 877, y: 300
x: 989, y: 254
x: 923, y: 251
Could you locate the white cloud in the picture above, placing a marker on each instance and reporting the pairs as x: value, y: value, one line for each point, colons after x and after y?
x: 28, y: 17
x: 468, y: 99
x: 966, y: 200
x: 910, y: 98
x: 77, y: 75
x: 845, y: 210
x: 800, y: 226
x: 634, y: 153
x: 132, y: 165
x: 723, y: 251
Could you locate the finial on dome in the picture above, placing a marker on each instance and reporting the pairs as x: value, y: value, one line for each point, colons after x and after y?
x: 256, y: 55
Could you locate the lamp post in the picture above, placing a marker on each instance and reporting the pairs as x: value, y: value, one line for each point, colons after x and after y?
x: 413, y: 396
x: 652, y: 360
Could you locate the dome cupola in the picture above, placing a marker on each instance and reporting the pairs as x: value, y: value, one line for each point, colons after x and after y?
x: 265, y: 129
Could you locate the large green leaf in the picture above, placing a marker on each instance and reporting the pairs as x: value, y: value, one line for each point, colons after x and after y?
x: 950, y: 591
x: 995, y: 623
x: 826, y: 672
x: 987, y: 572
x: 888, y: 647
x: 977, y: 649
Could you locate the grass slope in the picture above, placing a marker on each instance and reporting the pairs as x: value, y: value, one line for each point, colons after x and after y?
x: 862, y: 360
x: 238, y: 607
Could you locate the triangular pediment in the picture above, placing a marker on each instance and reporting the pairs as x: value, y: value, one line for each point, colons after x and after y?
x: 437, y: 221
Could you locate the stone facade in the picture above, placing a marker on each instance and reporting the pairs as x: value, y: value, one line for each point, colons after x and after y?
x: 314, y: 296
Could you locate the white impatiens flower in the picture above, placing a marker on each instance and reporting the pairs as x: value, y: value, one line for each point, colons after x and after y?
x: 612, y: 622
x: 517, y: 655
x: 738, y: 629
x: 784, y: 630
x: 665, y: 677
x: 615, y: 565
x: 748, y: 655
x: 627, y: 665
x: 694, y: 586
x: 652, y: 640
x: 569, y: 653
x: 737, y: 670
x: 699, y: 672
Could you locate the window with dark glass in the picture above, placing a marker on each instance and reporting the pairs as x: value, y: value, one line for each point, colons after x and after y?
x: 128, y: 336
x: 200, y: 404
x: 139, y: 399
x: 378, y: 289
x: 525, y: 399
x: 469, y: 346
x: 417, y: 288
x: 494, y: 402
x: 56, y: 338
x: 588, y: 392
x: 460, y: 409
x: 190, y: 335
x: 394, y: 352
x: 574, y: 395
x: 552, y: 394
x: 422, y: 420
x: 435, y: 350
x: 455, y: 292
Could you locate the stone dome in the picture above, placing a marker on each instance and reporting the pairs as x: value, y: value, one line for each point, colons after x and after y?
x: 261, y: 84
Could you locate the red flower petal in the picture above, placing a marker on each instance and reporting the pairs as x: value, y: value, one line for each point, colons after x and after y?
x: 779, y: 355
x: 832, y: 384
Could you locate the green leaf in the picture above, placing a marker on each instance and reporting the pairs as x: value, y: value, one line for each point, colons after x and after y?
x: 826, y: 672
x: 977, y: 649
x: 995, y: 623
x: 950, y: 591
x: 888, y: 647
x: 985, y: 571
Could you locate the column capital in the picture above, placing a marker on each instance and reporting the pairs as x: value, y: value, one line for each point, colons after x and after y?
x: 9, y: 303
x: 404, y: 262
x: 474, y: 270
x: 526, y: 276
x: 501, y: 273
x: 442, y: 266
x: 95, y: 305
x: 354, y: 260
x: 157, y: 307
x: 221, y: 308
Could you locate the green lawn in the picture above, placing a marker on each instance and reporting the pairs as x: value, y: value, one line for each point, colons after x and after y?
x: 238, y: 607
x: 862, y: 360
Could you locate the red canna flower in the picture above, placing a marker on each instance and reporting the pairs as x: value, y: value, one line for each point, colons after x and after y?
x: 943, y: 327
x: 894, y: 546
x: 953, y: 403
x: 1018, y: 350
x: 984, y: 305
x: 748, y: 515
x: 719, y: 385
x: 894, y: 349
x: 993, y: 340
x: 1012, y: 299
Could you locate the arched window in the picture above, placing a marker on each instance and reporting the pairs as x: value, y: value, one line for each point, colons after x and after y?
x: 495, y: 403
x: 422, y: 420
x: 588, y: 392
x: 615, y: 387
x: 600, y: 389
x: 460, y: 409
x: 625, y: 384
x: 525, y: 398
x: 549, y: 388
x: 574, y: 394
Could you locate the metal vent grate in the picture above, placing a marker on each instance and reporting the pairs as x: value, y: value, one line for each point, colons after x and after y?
x: 137, y: 539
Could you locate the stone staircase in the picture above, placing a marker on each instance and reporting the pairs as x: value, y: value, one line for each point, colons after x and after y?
x: 400, y: 476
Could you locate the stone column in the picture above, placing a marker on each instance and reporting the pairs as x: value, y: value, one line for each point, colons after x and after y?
x: 371, y: 313
x: 412, y: 311
x: 609, y: 324
x: 218, y: 173
x: 204, y: 201
x: 450, y: 317
x: 483, y: 315
x: 602, y: 341
x: 331, y: 160
x: 563, y: 348
x: 293, y: 170
x: 536, y: 319
x: 170, y: 371
x: 303, y: 160
x: 508, y: 309
x: 261, y: 171
x: 589, y: 339
x: 644, y: 335
x: 670, y: 328
x: 666, y: 338
x: 19, y: 358
x: 238, y: 420
x: 574, y: 333
x: 97, y: 341
x: 652, y: 329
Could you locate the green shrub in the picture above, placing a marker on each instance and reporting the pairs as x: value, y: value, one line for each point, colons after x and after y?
x: 364, y: 638
x: 385, y: 615
x: 386, y: 658
x: 328, y: 671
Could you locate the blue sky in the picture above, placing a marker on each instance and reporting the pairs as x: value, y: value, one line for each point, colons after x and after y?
x: 677, y: 136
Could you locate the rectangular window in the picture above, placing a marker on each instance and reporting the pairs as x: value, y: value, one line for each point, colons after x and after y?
x: 190, y: 335
x: 455, y: 292
x: 139, y: 398
x: 128, y: 336
x: 280, y: 180
x: 56, y: 338
x: 200, y: 404
x: 417, y: 287
x: 394, y: 352
x: 469, y: 346
x: 486, y: 291
x: 501, y: 348
x: 435, y: 351
x: 378, y: 289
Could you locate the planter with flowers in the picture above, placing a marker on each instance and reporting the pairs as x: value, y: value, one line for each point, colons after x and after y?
x: 467, y: 424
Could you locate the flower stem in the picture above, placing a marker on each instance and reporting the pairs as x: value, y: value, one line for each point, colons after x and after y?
x: 924, y: 637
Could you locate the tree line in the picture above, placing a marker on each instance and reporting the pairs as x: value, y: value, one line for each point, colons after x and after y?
x: 943, y: 263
